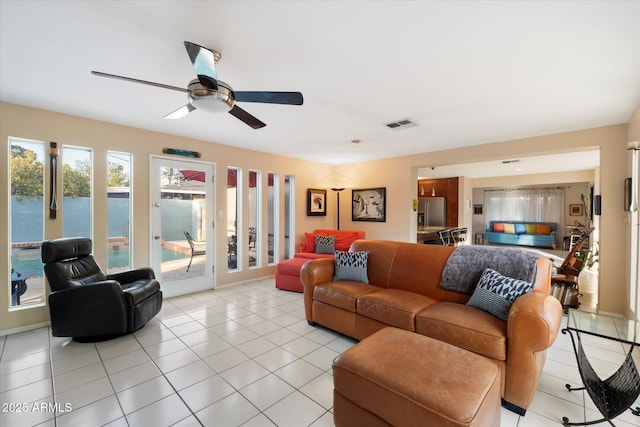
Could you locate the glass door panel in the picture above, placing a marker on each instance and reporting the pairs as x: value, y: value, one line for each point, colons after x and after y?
x: 182, y: 225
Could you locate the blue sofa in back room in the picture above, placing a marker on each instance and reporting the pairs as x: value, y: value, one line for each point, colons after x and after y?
x: 524, y: 233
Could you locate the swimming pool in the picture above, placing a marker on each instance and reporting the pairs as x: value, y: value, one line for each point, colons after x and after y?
x: 119, y: 258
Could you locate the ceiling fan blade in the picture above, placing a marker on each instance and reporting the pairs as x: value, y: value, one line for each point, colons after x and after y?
x: 204, y: 62
x: 292, y: 98
x: 145, y: 82
x: 180, y: 112
x: 246, y: 117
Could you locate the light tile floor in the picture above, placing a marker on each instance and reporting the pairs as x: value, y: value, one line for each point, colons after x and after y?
x: 240, y: 355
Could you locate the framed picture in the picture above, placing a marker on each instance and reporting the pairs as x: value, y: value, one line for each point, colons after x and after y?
x: 316, y: 202
x: 576, y: 210
x: 369, y: 204
x: 479, y: 239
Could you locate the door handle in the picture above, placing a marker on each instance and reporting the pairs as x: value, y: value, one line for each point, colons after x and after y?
x: 156, y: 237
x: 156, y: 204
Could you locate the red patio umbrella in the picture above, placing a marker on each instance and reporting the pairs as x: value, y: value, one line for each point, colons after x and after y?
x: 232, y: 178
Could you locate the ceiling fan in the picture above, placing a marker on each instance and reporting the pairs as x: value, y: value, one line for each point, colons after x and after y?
x: 210, y: 94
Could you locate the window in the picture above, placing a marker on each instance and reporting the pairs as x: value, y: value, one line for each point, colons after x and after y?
x: 234, y: 178
x: 253, y: 235
x: 526, y: 204
x: 289, y: 216
x: 119, y: 211
x: 76, y: 190
x: 26, y: 218
x: 272, y: 218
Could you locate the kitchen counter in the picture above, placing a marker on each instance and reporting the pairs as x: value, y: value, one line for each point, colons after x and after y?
x: 422, y: 229
x: 429, y: 234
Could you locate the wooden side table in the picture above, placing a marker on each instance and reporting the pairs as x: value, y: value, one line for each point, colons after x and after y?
x: 566, y: 289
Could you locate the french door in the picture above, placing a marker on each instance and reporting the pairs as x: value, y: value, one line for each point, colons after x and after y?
x: 181, y: 220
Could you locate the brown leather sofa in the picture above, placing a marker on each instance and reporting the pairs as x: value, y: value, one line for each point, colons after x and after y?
x: 404, y: 291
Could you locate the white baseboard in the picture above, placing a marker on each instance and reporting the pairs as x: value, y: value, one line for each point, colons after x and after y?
x: 25, y: 328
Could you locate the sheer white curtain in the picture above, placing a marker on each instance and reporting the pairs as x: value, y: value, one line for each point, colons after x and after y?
x: 525, y: 204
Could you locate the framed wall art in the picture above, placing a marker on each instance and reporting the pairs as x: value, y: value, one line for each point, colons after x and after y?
x: 576, y: 210
x: 316, y: 202
x: 369, y: 204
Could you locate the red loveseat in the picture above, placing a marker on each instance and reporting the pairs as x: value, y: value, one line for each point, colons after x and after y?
x: 288, y: 271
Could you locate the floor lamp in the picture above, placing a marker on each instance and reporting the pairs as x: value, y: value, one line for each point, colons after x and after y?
x: 338, y: 190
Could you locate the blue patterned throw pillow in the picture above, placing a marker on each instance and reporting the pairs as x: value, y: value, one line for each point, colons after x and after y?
x: 351, y: 266
x: 495, y: 293
x: 325, y: 244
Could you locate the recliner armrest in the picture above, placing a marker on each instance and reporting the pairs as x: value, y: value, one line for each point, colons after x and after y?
x: 105, y: 301
x: 132, y: 275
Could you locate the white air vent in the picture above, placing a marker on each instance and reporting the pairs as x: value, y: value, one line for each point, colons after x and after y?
x: 401, y: 124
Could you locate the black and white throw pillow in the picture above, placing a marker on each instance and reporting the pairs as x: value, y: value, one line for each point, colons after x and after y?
x: 325, y: 244
x: 351, y: 266
x: 495, y: 293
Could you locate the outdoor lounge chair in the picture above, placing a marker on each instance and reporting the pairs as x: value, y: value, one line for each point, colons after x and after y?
x: 197, y: 247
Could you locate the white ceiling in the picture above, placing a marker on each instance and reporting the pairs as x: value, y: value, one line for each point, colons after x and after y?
x: 467, y: 72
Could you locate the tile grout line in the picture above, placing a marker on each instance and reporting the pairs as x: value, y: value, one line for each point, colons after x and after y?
x: 167, y: 380
x: 53, y: 383
x: 251, y: 358
x: 218, y: 373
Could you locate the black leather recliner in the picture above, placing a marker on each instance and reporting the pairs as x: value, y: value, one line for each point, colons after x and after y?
x: 88, y: 305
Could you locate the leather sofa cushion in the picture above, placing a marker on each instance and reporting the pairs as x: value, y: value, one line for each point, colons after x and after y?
x: 140, y: 290
x: 342, y: 293
x: 465, y: 327
x: 394, y: 307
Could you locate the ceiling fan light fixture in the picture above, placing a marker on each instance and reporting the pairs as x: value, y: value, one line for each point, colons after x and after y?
x: 213, y: 101
x: 212, y: 95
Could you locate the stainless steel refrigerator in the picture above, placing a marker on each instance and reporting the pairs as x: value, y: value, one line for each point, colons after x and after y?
x: 432, y: 212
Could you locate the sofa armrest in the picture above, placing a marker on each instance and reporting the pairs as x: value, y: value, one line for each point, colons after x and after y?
x: 540, y: 316
x: 132, y: 275
x: 319, y: 270
x: 532, y: 327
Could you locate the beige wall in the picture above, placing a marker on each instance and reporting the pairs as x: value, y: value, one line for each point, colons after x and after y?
x: 398, y: 175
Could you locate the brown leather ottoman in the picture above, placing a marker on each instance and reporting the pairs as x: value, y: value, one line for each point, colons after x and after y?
x: 400, y: 378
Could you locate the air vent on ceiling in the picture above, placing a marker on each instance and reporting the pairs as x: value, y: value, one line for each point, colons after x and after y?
x: 401, y: 124
x: 506, y: 162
